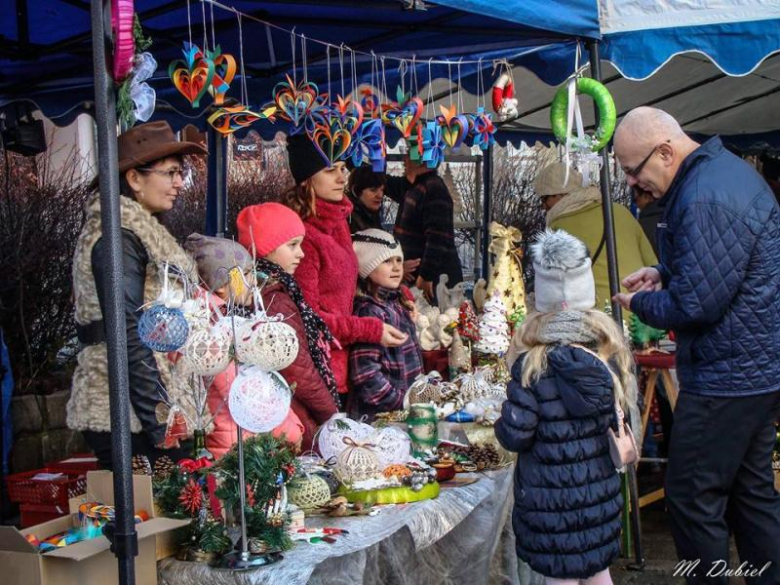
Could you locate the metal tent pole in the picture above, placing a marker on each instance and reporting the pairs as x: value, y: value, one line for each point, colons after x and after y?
x: 121, y: 532
x: 614, y: 288
x: 216, y: 196
x: 487, y: 184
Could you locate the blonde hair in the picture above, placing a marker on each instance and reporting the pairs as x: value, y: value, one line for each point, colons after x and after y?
x: 610, y: 345
x: 302, y: 199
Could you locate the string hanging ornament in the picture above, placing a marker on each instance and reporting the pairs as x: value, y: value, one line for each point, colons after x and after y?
x: 294, y: 101
x: 163, y: 327
x: 228, y: 119
x: 259, y: 401
x: 264, y: 341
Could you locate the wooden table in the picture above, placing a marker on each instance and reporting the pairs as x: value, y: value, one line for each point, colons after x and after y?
x: 657, y: 364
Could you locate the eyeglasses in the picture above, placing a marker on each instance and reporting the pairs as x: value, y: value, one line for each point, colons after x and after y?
x: 638, y: 168
x: 184, y: 173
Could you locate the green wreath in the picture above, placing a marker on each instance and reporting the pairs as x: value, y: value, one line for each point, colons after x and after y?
x: 604, y: 103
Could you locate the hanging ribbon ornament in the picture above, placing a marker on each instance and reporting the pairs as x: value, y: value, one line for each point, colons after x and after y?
x: 454, y: 127
x: 369, y: 147
x: 193, y: 75
x: 122, y: 21
x: 331, y: 128
x: 481, y: 129
x: 403, y: 113
x: 370, y: 103
x: 293, y: 101
x: 227, y: 120
x: 224, y: 72
x: 433, y: 145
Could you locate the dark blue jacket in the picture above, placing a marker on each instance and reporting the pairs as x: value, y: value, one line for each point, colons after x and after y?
x: 719, y: 248
x: 567, y: 493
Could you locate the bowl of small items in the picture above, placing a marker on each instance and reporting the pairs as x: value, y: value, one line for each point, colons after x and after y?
x: 400, y: 484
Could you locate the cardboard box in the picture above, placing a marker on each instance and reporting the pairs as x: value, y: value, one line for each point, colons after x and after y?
x: 89, y: 562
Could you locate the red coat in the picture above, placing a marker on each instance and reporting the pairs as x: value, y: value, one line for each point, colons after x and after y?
x: 311, y: 400
x: 328, y: 277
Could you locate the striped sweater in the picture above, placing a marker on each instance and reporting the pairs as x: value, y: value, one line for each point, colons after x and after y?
x: 424, y: 226
x: 380, y: 375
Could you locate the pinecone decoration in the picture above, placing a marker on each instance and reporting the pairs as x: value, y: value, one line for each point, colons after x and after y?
x: 276, y: 520
x: 141, y: 465
x: 163, y: 467
x: 483, y: 456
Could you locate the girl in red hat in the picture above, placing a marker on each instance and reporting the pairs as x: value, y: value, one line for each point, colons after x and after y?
x: 274, y: 235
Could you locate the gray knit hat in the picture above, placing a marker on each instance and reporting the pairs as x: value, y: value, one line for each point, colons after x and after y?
x: 373, y: 247
x: 564, y: 279
x: 215, y: 258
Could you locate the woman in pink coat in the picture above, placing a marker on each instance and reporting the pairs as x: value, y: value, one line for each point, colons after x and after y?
x: 328, y: 272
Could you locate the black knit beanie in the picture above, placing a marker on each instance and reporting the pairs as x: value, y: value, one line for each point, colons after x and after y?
x: 305, y: 160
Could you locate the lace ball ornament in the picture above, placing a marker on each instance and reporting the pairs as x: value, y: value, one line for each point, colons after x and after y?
x: 392, y: 446
x: 308, y: 492
x: 259, y: 401
x: 207, y: 352
x: 270, y: 345
x: 357, y: 462
x: 163, y: 329
x: 335, y: 430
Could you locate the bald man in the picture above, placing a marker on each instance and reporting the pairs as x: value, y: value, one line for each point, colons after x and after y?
x: 718, y: 287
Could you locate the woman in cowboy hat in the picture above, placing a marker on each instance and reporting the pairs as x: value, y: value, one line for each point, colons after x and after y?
x: 152, y: 174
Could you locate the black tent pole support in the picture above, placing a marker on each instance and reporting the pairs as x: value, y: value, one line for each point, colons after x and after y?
x: 614, y: 288
x: 216, y: 198
x: 487, y: 189
x: 121, y: 532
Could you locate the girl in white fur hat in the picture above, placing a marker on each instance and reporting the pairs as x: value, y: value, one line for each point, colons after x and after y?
x: 561, y: 403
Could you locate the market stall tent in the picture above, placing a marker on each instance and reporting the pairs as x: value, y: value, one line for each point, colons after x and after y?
x: 51, y: 46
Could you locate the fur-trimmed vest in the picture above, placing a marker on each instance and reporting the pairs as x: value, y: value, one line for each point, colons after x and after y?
x: 88, y: 407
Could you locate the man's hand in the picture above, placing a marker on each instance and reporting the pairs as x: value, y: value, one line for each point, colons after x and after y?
x: 624, y: 299
x: 426, y: 286
x: 410, y: 267
x: 643, y: 280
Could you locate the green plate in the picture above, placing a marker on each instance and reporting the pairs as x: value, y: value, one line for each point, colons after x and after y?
x: 394, y: 495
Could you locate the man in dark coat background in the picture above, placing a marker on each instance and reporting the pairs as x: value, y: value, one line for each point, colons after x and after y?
x: 718, y: 287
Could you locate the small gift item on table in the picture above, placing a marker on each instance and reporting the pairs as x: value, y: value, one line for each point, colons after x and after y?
x: 308, y: 492
x: 357, y: 462
x: 423, y: 424
x: 493, y: 328
x: 332, y: 434
x: 459, y: 357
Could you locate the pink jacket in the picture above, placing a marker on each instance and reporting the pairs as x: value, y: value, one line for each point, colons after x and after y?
x: 328, y: 277
x: 225, y: 432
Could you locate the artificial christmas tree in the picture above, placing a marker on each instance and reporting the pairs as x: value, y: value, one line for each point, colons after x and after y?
x: 493, y: 328
x: 506, y: 278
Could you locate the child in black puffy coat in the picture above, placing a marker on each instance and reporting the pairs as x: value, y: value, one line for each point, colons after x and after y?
x: 561, y: 402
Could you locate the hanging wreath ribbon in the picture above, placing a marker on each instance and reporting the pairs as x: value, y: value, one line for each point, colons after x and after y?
x: 122, y: 21
x: 561, y: 112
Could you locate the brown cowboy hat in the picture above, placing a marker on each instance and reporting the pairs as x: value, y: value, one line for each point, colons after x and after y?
x: 149, y: 142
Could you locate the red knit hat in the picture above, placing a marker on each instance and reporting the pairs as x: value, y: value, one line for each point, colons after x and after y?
x: 270, y: 225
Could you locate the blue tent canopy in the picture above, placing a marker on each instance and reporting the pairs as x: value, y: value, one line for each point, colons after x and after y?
x: 48, y: 59
x: 736, y: 35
